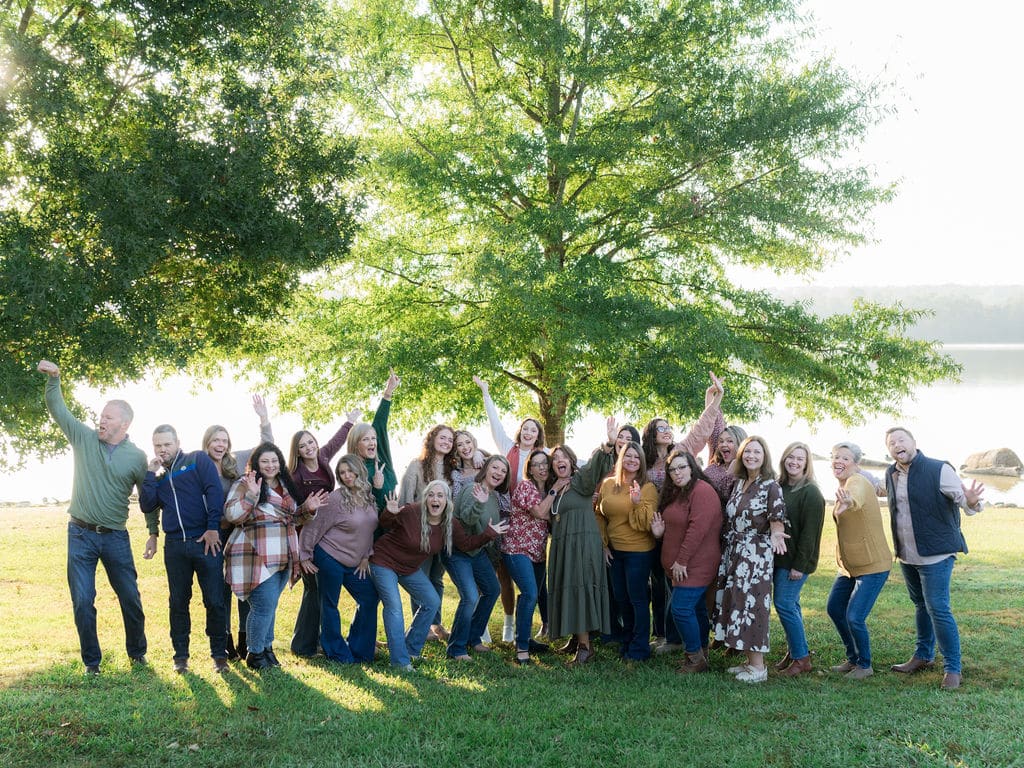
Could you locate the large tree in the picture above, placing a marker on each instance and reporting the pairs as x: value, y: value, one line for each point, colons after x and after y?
x: 558, y: 191
x: 169, y: 173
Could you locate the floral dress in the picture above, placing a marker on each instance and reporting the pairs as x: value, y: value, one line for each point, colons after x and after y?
x: 745, y: 577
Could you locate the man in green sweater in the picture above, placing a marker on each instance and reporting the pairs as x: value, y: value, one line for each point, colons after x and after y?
x: 107, y: 467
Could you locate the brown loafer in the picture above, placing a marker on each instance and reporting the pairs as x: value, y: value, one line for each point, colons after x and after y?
x: 481, y: 648
x: 914, y: 665
x: 950, y: 681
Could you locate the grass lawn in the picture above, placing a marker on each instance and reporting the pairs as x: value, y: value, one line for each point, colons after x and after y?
x: 490, y: 712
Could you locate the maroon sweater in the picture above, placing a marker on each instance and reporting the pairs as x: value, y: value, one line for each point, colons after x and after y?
x: 399, y: 547
x: 693, y: 529
x: 307, y: 481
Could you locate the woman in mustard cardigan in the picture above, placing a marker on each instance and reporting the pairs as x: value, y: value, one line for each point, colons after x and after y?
x: 864, y: 560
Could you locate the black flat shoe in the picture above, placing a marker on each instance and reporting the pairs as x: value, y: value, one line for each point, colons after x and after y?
x: 570, y: 647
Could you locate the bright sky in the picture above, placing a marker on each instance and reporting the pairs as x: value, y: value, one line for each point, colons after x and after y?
x: 953, y: 143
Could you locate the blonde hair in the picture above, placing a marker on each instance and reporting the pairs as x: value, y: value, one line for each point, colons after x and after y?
x: 446, y: 517
x: 357, y: 433
x: 808, y: 476
x: 228, y: 464
x: 361, y: 493
x: 641, y: 475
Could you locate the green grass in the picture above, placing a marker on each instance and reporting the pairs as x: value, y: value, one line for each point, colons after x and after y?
x: 491, y: 713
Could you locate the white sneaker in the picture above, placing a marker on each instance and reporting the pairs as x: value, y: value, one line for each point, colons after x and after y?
x: 737, y: 669
x: 508, y: 630
x: 486, y: 636
x: 753, y: 674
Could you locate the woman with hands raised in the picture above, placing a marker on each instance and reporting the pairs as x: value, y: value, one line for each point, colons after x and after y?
x: 370, y: 443
x: 334, y: 549
x: 864, y: 560
x: 412, y: 533
x: 262, y: 553
x: 470, y: 569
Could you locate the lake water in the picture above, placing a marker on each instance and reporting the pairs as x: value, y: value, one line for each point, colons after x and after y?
x: 950, y: 421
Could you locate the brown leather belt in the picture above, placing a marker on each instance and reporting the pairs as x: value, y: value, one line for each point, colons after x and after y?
x: 90, y: 526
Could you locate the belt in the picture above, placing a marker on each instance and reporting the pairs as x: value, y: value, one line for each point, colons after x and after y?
x: 90, y: 526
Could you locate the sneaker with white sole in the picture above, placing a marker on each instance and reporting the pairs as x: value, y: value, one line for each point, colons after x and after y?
x: 753, y: 674
x: 737, y: 669
x: 859, y: 673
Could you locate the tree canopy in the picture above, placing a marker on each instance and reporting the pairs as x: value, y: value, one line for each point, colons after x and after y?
x: 557, y: 193
x: 169, y: 172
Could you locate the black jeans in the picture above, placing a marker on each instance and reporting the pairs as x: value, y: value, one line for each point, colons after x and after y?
x: 184, y: 558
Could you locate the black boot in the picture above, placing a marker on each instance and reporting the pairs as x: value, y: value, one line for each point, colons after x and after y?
x: 257, y: 661
x: 229, y: 647
x: 240, y: 646
x: 271, y: 656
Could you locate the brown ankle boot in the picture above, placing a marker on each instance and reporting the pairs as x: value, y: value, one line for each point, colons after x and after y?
x: 797, y: 667
x: 695, y: 662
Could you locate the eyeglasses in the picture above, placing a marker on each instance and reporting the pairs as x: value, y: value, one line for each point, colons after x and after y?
x: 538, y: 464
x: 663, y: 428
x: 678, y: 467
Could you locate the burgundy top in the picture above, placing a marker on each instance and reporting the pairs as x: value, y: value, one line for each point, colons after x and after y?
x: 307, y: 480
x: 693, y: 529
x: 399, y: 547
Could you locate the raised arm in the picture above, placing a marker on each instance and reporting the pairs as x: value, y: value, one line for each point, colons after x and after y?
x: 700, y: 432
x: 333, y: 445
x: 72, y: 428
x: 260, y: 406
x: 501, y: 438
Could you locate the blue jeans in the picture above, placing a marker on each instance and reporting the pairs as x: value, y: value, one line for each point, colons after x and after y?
x: 402, y: 645
x: 263, y: 611
x: 928, y: 586
x: 85, y: 549
x: 630, y: 581
x: 362, y: 633
x: 478, y: 587
x: 672, y: 634
x: 786, y: 596
x: 433, y: 567
x: 524, y: 573
x: 849, y: 604
x: 185, y: 559
x: 690, y: 615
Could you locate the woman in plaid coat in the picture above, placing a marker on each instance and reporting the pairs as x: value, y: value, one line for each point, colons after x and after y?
x: 262, y: 554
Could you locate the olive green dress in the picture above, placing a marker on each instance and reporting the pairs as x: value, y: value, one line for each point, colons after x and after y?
x: 577, y: 578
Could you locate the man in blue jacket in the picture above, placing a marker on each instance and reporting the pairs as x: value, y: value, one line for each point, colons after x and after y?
x: 925, y: 497
x: 187, y: 487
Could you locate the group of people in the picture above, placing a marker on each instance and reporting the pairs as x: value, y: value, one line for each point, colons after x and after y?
x: 640, y: 539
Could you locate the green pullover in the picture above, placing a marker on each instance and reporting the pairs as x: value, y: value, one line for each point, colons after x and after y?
x: 104, y: 475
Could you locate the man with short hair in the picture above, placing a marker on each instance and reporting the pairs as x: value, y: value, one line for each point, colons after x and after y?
x: 187, y: 488
x: 107, y: 467
x: 925, y: 497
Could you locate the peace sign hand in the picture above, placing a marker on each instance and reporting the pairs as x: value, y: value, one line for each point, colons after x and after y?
x: 634, y: 492
x: 378, y: 475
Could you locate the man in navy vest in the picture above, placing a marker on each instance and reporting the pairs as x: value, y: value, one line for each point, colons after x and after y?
x: 186, y: 486
x: 925, y: 497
